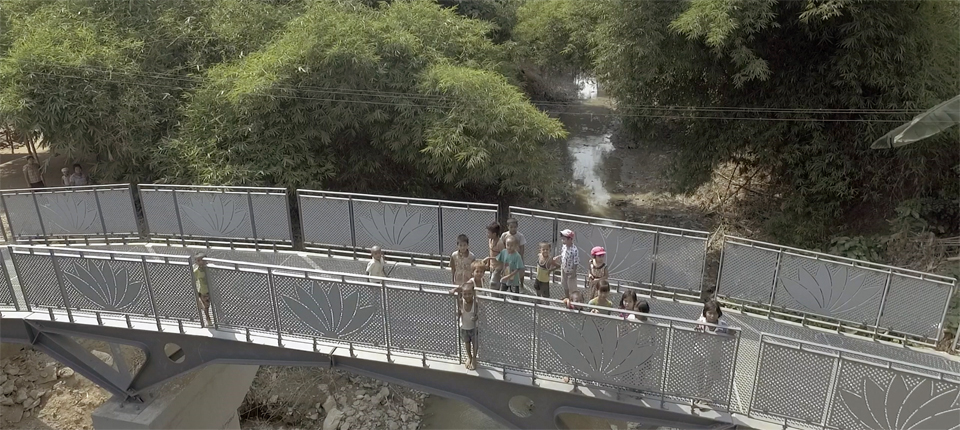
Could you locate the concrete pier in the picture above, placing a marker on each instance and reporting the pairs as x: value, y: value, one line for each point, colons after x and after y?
x: 205, y: 399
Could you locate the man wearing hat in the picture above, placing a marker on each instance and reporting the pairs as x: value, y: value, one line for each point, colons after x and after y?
x: 569, y: 260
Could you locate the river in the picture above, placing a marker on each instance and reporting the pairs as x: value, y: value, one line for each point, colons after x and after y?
x: 589, y: 160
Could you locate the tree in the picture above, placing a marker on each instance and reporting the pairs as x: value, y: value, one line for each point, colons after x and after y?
x: 795, y: 89
x: 350, y: 94
x: 402, y: 97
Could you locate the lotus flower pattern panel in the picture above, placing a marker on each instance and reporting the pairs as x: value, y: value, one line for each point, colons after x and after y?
x: 397, y: 227
x: 629, y: 252
x: 69, y: 213
x: 331, y: 310
x: 873, y: 398
x: 215, y: 214
x: 619, y: 352
x: 109, y: 285
x: 830, y: 289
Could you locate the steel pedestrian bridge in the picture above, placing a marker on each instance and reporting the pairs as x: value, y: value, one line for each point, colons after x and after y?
x: 817, y: 341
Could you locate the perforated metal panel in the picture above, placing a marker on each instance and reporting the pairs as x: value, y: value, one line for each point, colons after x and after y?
x: 160, y: 212
x: 700, y: 365
x: 117, y: 210
x: 680, y: 261
x: 591, y: 347
x: 174, y: 289
x: 22, y: 215
x: 271, y: 216
x: 536, y: 229
x: 241, y: 299
x: 422, y: 322
x: 397, y: 226
x: 325, y: 220
x: 873, y: 397
x: 37, y: 280
x: 915, y: 306
x: 629, y: 252
x: 7, y: 297
x: 215, y: 214
x: 105, y: 285
x: 65, y: 213
x: 792, y: 383
x: 500, y: 341
x: 829, y: 289
x: 331, y: 310
x: 471, y: 222
x: 746, y: 273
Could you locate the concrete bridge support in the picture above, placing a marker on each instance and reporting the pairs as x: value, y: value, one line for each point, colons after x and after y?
x: 207, y: 398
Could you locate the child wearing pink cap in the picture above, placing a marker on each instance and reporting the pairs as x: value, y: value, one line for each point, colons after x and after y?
x: 598, y: 269
x: 569, y: 261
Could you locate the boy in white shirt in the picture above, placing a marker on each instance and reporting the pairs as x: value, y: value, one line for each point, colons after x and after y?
x: 377, y: 264
x: 569, y: 261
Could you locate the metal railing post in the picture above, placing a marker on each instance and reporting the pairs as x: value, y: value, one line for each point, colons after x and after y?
x: 883, y: 303
x: 57, y: 272
x: 831, y: 387
x: 43, y: 229
x: 253, y: 223
x: 716, y: 287
x: 176, y: 209
x: 103, y: 223
x: 440, y: 231
x: 387, y: 333
x: 733, y: 370
x: 353, y: 227
x: 773, y: 286
x: 153, y: 300
x: 654, y: 250
x: 273, y: 304
x: 666, y: 364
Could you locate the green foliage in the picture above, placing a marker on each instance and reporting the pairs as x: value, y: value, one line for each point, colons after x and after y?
x: 554, y: 34
x: 858, y: 247
x: 766, y: 56
x: 501, y: 13
x: 360, y: 95
x: 404, y: 96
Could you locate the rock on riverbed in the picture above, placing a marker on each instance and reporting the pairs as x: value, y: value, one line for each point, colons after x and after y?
x: 314, y: 397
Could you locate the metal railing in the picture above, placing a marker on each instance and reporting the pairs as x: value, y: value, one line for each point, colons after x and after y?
x: 875, y: 300
x: 806, y: 384
x: 637, y: 254
x: 128, y: 283
x: 406, y: 225
x: 521, y: 333
x: 200, y: 214
x: 42, y: 214
x: 862, y: 295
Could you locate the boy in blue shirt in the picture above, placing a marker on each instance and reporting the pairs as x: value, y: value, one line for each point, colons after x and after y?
x: 512, y: 263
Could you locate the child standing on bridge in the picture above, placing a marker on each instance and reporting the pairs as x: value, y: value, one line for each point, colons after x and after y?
x: 377, y: 264
x: 493, y: 238
x: 467, y: 313
x: 461, y: 260
x: 569, y: 260
x: 203, y: 290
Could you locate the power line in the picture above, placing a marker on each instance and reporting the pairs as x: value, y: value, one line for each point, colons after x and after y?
x: 432, y: 98
x: 394, y: 103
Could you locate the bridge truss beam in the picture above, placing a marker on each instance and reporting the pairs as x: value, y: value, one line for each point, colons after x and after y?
x: 58, y: 339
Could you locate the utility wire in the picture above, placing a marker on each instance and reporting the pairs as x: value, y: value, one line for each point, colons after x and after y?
x: 437, y: 106
x: 425, y: 97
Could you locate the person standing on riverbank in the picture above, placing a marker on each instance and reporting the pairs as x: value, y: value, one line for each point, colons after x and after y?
x: 31, y: 173
x: 78, y: 178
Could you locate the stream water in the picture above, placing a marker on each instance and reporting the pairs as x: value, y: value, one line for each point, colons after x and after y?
x: 589, y: 161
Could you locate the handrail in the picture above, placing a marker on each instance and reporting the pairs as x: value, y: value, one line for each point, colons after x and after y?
x: 16, y: 191
x: 552, y: 214
x: 82, y: 251
x: 922, y: 275
x: 403, y: 199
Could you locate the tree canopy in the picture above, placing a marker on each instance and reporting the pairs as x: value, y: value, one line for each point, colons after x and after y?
x: 345, y: 94
x: 795, y: 89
